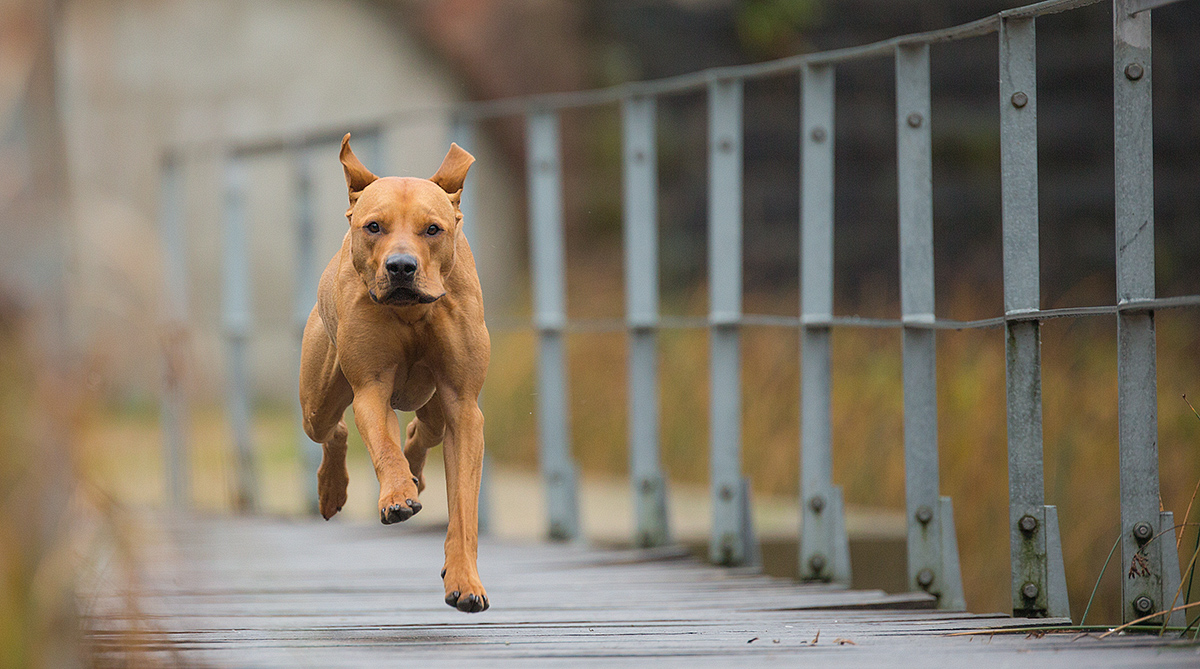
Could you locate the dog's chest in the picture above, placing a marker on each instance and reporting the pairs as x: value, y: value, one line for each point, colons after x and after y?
x: 413, y: 388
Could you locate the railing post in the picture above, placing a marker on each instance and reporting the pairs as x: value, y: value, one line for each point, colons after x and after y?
x: 1039, y: 582
x: 236, y: 316
x: 733, y: 542
x: 547, y: 261
x: 176, y: 417
x: 932, y: 547
x: 462, y: 132
x: 640, y: 174
x: 824, y: 545
x: 308, y: 274
x: 1150, y: 585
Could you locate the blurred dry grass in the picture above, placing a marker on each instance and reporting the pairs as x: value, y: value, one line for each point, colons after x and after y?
x: 121, y: 450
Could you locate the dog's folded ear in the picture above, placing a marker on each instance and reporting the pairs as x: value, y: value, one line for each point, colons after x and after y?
x: 358, y: 176
x: 453, y: 172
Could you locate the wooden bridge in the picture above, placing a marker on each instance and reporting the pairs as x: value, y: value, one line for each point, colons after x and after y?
x: 261, y: 592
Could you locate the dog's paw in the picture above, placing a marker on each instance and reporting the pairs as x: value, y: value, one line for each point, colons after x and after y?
x: 332, y: 482
x: 465, y: 593
x: 400, y: 504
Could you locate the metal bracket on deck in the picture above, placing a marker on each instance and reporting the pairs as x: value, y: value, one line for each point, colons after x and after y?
x: 651, y: 508
x: 563, y: 505
x: 824, y: 544
x: 1151, y: 570
x: 933, y: 555
x: 1170, y: 567
x: 1039, y: 585
x: 739, y: 548
x: 951, y: 596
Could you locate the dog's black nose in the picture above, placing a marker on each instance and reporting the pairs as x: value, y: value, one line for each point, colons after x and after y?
x: 401, y: 265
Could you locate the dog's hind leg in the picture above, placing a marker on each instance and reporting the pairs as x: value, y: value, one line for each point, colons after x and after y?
x: 324, y: 396
x: 333, y: 478
x: 424, y: 432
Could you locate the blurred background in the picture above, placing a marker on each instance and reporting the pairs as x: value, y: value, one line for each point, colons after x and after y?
x: 94, y: 93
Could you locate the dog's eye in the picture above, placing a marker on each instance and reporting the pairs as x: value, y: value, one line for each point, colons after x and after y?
x: 432, y: 230
x: 372, y: 227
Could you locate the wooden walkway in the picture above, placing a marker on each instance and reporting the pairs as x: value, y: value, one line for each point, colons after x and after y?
x: 263, y: 592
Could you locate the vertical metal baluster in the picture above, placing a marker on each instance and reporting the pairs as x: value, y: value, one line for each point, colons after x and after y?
x: 640, y: 174
x: 824, y: 546
x: 236, y: 312
x: 1038, y: 578
x: 1151, y: 586
x: 547, y: 259
x: 462, y: 132
x: 932, y: 548
x: 732, y: 542
x: 176, y: 417
x: 308, y: 274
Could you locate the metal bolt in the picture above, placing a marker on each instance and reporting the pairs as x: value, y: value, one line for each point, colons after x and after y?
x: 817, y: 562
x: 639, y: 156
x: 1029, y: 591
x: 1143, y: 605
x: 725, y: 145
x: 924, y: 515
x: 545, y: 165
x: 925, y: 577
x: 1028, y: 524
x: 914, y: 120
x: 1134, y: 71
x: 816, y: 503
x: 1019, y: 99
x: 1142, y: 532
x: 818, y: 134
x: 726, y: 493
x: 647, y: 486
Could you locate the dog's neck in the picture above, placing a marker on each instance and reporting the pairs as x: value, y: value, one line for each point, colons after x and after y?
x: 411, y: 314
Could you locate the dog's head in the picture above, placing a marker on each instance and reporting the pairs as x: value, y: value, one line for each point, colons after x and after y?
x: 403, y: 231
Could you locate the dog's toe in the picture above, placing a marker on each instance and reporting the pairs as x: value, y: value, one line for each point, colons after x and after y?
x: 396, y: 513
x: 470, y: 604
x: 415, y: 506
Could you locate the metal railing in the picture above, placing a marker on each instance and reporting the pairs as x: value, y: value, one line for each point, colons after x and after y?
x: 1038, y: 574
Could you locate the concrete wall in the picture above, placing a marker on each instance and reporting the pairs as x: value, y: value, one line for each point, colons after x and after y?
x: 138, y: 76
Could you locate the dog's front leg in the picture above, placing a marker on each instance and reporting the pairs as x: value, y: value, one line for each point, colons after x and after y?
x: 463, y: 453
x: 380, y: 431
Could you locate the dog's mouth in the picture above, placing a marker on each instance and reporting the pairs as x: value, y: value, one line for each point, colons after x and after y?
x: 400, y: 296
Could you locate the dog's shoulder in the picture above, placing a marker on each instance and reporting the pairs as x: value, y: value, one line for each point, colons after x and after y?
x: 330, y: 288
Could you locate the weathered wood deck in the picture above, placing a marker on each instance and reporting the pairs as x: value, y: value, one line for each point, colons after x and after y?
x: 261, y: 592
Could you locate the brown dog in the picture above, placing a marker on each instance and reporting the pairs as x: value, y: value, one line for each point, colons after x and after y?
x: 399, y: 325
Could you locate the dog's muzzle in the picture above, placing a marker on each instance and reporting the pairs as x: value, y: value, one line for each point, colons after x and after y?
x: 400, y: 287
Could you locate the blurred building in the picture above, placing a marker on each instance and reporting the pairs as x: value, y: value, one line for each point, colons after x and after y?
x: 139, y: 77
